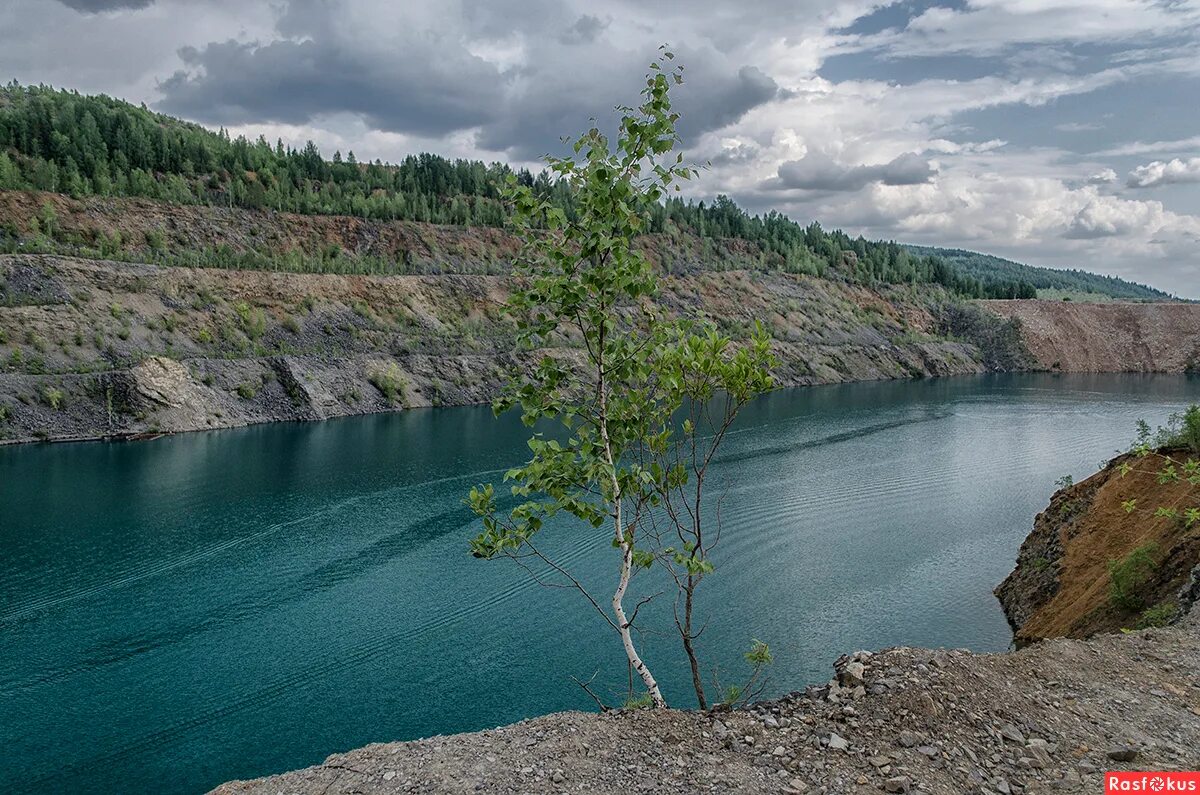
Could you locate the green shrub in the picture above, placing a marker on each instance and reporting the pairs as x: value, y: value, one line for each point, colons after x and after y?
x: 246, y: 391
x: 1189, y: 428
x: 291, y: 324
x: 53, y: 397
x: 1129, y: 576
x: 389, y: 381
x: 1158, y: 616
x: 204, y: 337
x: 253, y: 319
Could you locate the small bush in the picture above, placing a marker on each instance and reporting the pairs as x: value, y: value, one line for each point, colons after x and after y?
x: 1129, y: 576
x: 204, y: 337
x: 291, y: 324
x: 253, y: 319
x: 246, y: 391
x: 53, y: 397
x: 390, y: 381
x: 1158, y: 616
x: 1189, y: 428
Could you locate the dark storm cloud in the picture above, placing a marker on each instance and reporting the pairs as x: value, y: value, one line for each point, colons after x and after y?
x: 96, y: 6
x: 422, y: 88
x: 428, y: 83
x: 819, y: 172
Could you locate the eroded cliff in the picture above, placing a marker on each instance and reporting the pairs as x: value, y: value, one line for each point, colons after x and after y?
x: 1116, y: 551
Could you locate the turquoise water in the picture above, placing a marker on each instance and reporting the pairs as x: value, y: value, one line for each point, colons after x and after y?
x: 223, y: 605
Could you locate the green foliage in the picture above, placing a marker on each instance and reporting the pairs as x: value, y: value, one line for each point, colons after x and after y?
x: 1158, y: 616
x: 1129, y: 576
x: 53, y: 397
x: 580, y: 274
x: 643, y: 701
x: 252, y: 319
x: 1065, y: 482
x: 390, y: 381
x: 994, y: 273
x: 1182, y: 430
x: 246, y: 390
x: 65, y: 142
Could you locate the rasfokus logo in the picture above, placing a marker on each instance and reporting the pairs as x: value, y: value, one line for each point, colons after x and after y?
x: 1145, y: 781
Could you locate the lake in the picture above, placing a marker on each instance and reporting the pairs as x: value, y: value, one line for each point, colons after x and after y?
x: 180, y: 612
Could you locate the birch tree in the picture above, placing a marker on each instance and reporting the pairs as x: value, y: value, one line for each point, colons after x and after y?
x: 613, y: 371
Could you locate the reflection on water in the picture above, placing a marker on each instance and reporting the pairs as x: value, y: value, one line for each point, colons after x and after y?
x: 217, y: 605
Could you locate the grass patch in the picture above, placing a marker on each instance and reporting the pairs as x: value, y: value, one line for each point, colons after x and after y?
x: 1157, y: 616
x: 1129, y: 576
x: 389, y: 381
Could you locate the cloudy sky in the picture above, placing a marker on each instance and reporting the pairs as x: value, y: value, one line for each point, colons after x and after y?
x: 1058, y: 132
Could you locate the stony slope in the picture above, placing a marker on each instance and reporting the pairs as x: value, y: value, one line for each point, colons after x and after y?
x: 1049, y: 718
x: 91, y: 349
x: 1076, y: 337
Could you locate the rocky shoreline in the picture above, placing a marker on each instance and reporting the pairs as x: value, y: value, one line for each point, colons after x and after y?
x: 1049, y: 718
x: 94, y: 349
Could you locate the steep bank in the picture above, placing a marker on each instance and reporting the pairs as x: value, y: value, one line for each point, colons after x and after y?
x: 93, y: 349
x: 1062, y: 585
x: 1113, y: 337
x: 1049, y: 718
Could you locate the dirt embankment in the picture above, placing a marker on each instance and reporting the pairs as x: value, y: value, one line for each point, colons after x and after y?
x: 98, y: 349
x: 1114, y: 337
x: 1050, y: 718
x: 1103, y: 557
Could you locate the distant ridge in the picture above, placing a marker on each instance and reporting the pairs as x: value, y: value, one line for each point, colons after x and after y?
x: 988, y: 268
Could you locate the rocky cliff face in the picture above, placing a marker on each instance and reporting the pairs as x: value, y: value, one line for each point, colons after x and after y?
x: 1115, y: 337
x: 101, y: 349
x: 1063, y: 584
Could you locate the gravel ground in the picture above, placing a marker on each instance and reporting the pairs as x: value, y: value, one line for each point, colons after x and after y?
x: 1048, y: 718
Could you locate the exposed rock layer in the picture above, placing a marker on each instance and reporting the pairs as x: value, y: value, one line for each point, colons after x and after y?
x: 86, y: 347
x: 1061, y: 586
x: 1114, y: 337
x: 92, y: 349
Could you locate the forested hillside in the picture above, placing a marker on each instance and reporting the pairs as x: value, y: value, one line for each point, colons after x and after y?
x: 65, y: 142
x: 996, y: 270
